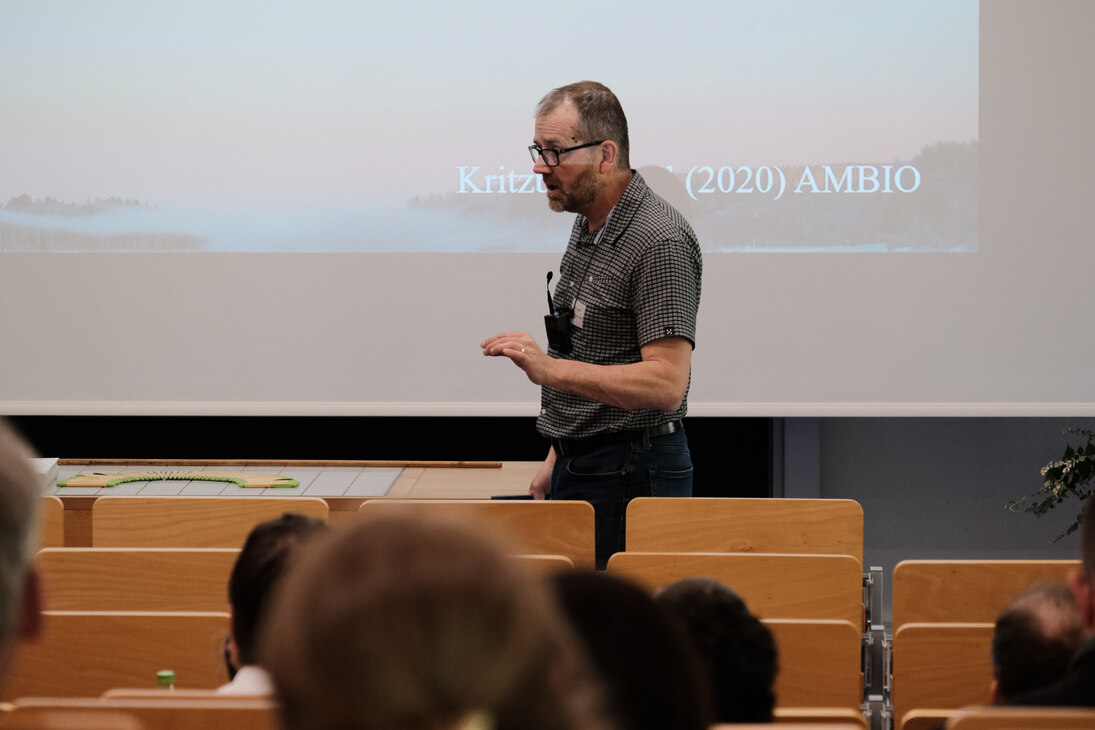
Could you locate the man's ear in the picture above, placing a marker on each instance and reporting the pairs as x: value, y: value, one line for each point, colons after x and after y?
x: 231, y: 648
x: 29, y: 624
x: 610, y: 151
x: 995, y: 697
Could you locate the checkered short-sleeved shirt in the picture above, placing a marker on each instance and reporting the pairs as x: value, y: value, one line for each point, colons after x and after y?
x: 636, y: 282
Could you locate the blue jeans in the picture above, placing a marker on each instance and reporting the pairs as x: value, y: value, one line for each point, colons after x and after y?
x: 613, y: 475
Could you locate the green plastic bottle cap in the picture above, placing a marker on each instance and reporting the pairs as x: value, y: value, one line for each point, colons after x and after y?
x: 165, y: 677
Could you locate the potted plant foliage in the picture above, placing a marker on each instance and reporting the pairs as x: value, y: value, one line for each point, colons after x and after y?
x: 1063, y: 479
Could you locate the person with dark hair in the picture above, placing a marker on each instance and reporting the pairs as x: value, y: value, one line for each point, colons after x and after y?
x: 1077, y: 687
x: 735, y: 647
x: 269, y: 549
x: 400, y: 622
x: 646, y: 661
x: 20, y: 585
x: 615, y: 376
x: 1034, y: 640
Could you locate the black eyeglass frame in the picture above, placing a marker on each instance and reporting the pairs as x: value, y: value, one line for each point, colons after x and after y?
x: 537, y: 151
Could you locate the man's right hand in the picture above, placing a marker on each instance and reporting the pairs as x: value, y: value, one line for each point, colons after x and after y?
x: 540, y: 487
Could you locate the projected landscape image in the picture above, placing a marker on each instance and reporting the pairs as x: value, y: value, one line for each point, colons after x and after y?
x: 777, y: 126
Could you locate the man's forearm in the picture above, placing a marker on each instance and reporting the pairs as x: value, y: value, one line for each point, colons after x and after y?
x: 658, y: 382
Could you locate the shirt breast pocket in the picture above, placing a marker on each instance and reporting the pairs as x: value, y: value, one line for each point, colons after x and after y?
x: 605, y: 307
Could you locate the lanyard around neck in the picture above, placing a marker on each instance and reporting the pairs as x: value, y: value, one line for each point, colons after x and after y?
x: 592, y: 255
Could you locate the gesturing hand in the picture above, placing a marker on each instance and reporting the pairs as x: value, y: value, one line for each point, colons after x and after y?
x: 523, y: 351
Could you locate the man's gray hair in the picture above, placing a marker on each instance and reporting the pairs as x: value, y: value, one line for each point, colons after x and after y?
x: 20, y: 497
x: 600, y: 115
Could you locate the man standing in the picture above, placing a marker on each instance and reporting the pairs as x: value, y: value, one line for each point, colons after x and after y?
x: 616, y: 373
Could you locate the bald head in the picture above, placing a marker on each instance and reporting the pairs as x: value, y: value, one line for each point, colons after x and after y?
x: 1035, y: 639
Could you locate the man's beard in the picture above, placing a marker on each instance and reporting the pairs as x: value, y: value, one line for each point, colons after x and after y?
x: 579, y: 195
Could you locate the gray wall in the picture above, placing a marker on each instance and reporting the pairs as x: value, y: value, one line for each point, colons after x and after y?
x: 935, y: 488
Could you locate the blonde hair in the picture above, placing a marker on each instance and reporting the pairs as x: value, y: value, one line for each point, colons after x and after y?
x: 403, y: 623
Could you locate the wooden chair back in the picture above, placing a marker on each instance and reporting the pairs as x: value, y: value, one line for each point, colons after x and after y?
x: 925, y: 719
x: 52, y: 523
x: 68, y: 718
x: 772, y: 585
x: 85, y: 653
x: 160, y: 714
x: 821, y: 724
x: 818, y: 715
x: 160, y: 693
x: 736, y: 525
x: 819, y: 663
x: 207, y: 522
x: 554, y: 527
x: 136, y: 579
x: 966, y: 591
x: 547, y: 563
x: 1023, y: 718
x: 940, y: 666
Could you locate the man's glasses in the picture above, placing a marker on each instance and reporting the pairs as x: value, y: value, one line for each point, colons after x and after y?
x: 551, y: 157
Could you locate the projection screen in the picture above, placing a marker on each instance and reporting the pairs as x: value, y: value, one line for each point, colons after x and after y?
x: 294, y: 208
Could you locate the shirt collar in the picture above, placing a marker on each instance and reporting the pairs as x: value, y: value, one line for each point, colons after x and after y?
x: 620, y: 216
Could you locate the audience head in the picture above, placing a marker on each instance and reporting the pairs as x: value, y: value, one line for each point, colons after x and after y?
x: 407, y: 623
x: 737, y: 649
x: 20, y: 496
x: 645, y: 660
x: 259, y: 568
x: 1035, y: 639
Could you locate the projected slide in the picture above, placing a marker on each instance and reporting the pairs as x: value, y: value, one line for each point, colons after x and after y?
x: 295, y: 126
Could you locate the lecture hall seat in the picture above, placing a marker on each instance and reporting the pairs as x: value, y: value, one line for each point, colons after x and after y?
x: 966, y: 591
x: 149, y: 713
x: 773, y: 585
x: 208, y: 522
x: 552, y: 527
x: 740, y: 525
x: 85, y: 653
x: 136, y: 579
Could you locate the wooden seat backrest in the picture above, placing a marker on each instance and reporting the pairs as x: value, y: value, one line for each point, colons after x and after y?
x: 222, y: 522
x: 160, y: 693
x: 820, y: 724
x: 68, y: 718
x: 924, y: 719
x: 547, y: 563
x: 801, y: 715
x: 941, y: 666
x: 162, y: 714
x: 52, y: 523
x: 736, y: 525
x: 1023, y: 718
x: 773, y: 585
x: 966, y: 591
x: 136, y: 579
x: 555, y: 527
x: 819, y: 663
x: 85, y: 653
